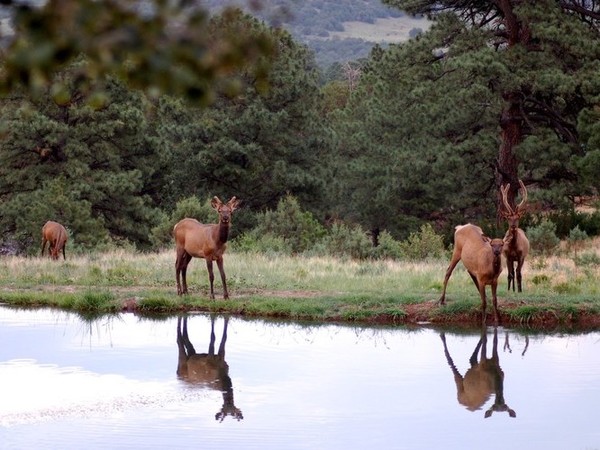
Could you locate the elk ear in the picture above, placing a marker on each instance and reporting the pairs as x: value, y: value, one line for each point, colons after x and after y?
x: 216, y: 203
x: 484, y: 238
x: 234, y: 203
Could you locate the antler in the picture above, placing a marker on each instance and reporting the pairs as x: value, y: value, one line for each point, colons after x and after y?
x: 520, y: 209
x: 521, y: 206
x: 504, y: 191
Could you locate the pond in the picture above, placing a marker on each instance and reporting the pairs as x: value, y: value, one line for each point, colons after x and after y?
x: 126, y: 382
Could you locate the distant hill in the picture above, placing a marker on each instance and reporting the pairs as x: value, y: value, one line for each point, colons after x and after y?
x: 337, y: 30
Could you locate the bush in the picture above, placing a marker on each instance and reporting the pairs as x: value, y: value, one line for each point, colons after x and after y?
x: 298, y: 229
x: 576, y: 239
x: 542, y: 238
x: 424, y: 244
x: 346, y: 241
x: 253, y: 241
x: 388, y: 247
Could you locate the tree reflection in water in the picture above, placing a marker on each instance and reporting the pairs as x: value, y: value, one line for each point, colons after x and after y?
x: 484, y: 377
x: 207, y: 369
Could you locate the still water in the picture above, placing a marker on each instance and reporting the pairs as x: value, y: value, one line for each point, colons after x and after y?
x: 126, y: 382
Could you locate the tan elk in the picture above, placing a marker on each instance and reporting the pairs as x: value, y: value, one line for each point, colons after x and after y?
x: 481, y: 256
x: 207, y: 369
x: 197, y: 240
x: 483, y: 378
x: 54, y: 234
x: 517, y: 250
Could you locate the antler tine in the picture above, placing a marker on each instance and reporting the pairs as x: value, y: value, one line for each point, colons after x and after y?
x: 504, y: 190
x: 521, y: 205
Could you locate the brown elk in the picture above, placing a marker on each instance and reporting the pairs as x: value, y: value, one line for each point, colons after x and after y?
x: 207, y: 369
x: 55, y: 235
x: 481, y: 256
x: 518, y: 248
x: 483, y: 378
x: 194, y: 239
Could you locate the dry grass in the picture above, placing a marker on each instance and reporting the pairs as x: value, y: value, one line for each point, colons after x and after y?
x: 388, y: 30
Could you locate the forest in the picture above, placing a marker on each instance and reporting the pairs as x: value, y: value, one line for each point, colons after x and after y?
x: 118, y: 121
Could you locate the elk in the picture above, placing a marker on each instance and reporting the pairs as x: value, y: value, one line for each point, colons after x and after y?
x: 55, y: 235
x: 207, y: 369
x: 481, y: 256
x: 518, y: 248
x: 195, y: 239
x: 483, y: 378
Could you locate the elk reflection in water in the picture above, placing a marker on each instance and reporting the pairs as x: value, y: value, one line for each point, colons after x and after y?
x: 207, y: 369
x: 484, y: 377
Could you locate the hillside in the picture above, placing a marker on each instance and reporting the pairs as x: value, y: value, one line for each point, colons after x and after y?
x: 337, y: 30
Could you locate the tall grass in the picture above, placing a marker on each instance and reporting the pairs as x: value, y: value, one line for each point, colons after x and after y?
x: 289, y: 286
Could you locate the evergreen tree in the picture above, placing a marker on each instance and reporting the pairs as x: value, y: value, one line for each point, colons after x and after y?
x: 541, y: 61
x: 90, y: 166
x: 259, y: 145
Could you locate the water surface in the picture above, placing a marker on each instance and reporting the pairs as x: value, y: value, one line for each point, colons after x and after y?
x: 113, y: 383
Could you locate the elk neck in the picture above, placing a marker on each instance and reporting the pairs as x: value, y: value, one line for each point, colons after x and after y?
x: 223, y: 231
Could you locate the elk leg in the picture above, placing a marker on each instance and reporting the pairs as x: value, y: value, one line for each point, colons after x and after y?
x: 211, y: 277
x: 483, y: 303
x: 510, y: 265
x: 211, y: 346
x: 44, y: 241
x: 519, y: 267
x: 183, y: 259
x: 222, y: 272
x: 453, y: 263
x: 495, y: 301
x: 474, y: 278
x: 63, y: 249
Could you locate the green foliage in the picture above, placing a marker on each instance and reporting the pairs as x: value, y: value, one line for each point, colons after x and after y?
x: 138, y: 44
x: 89, y: 169
x: 587, y: 259
x: 542, y: 238
x: 298, y: 229
x: 255, y: 241
x: 424, y: 244
x: 388, y: 247
x: 576, y: 239
x: 346, y: 241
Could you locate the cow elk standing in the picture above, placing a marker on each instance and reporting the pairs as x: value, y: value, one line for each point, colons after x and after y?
x: 54, y: 234
x: 484, y: 377
x: 207, y: 369
x: 481, y: 256
x: 194, y: 239
x: 517, y: 250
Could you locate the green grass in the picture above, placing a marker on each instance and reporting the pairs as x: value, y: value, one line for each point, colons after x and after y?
x: 556, y: 290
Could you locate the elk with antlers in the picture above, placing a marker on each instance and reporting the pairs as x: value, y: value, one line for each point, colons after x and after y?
x: 54, y: 234
x: 518, y: 248
x: 481, y: 256
x: 194, y: 239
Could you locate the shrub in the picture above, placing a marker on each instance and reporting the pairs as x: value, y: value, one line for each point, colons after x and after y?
x: 349, y: 241
x: 423, y: 244
x: 253, y: 241
x: 299, y: 229
x: 542, y: 238
x: 576, y: 239
x: 388, y: 247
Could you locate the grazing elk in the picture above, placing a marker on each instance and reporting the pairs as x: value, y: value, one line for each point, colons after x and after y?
x: 194, y: 239
x: 517, y: 250
x: 481, y: 256
x: 207, y: 369
x: 55, y: 235
x: 483, y: 378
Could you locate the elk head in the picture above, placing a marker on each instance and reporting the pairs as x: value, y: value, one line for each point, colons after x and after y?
x: 510, y: 214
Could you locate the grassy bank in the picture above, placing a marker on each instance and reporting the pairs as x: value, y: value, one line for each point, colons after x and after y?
x: 557, y: 291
